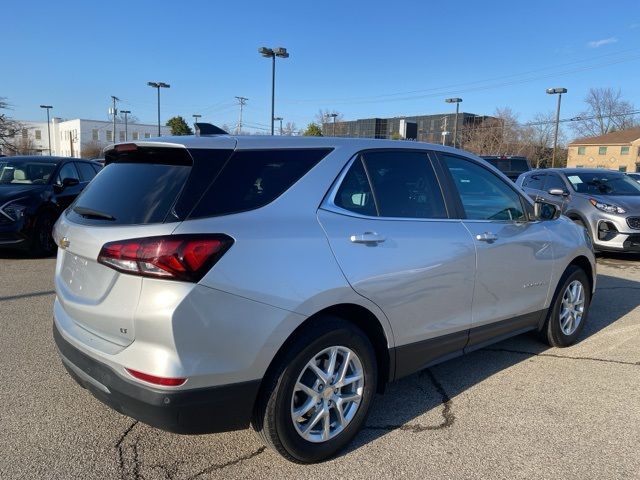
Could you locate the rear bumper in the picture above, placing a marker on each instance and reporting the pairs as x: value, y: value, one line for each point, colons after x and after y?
x: 202, y: 410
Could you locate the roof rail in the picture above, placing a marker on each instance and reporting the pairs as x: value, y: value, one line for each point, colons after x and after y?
x: 208, y: 129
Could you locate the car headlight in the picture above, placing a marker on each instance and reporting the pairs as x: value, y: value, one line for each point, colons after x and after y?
x: 13, y: 210
x: 607, y: 207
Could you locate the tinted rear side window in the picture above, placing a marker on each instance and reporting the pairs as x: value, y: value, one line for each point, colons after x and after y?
x: 86, y: 171
x: 253, y: 178
x: 405, y: 184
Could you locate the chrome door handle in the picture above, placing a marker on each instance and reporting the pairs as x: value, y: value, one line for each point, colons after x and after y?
x: 486, y: 237
x: 367, y: 237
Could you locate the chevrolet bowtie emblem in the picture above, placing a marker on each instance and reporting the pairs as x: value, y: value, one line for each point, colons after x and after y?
x: 64, y: 243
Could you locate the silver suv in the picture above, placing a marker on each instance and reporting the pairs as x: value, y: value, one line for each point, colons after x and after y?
x: 209, y: 283
x: 605, y: 202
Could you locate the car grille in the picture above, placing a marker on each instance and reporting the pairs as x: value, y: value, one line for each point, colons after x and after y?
x: 634, y: 222
x: 4, y: 220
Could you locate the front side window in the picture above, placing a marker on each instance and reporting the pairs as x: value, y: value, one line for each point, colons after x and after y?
x: 534, y: 181
x: 404, y: 184
x: 67, y: 171
x: 554, y: 181
x: 484, y: 196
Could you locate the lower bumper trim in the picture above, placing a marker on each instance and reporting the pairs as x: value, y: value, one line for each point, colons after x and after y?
x: 196, y: 411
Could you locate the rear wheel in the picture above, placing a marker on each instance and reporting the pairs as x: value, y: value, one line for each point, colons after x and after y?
x: 42, y: 243
x: 569, y: 309
x: 318, y: 397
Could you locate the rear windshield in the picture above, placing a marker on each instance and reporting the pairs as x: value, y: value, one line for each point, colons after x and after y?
x: 254, y: 178
x: 130, y: 193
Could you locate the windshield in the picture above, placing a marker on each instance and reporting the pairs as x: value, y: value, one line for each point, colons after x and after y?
x: 25, y: 172
x: 604, y: 183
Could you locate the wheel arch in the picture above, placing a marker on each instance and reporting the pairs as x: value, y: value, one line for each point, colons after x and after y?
x: 583, y: 262
x: 359, y: 316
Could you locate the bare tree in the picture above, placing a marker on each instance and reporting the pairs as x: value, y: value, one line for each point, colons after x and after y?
x: 324, y: 117
x: 500, y: 134
x: 92, y: 149
x: 538, y: 137
x: 289, y: 129
x: 606, y: 112
x: 9, y: 130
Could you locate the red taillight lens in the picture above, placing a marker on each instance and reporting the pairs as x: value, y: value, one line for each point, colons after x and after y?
x: 164, y: 381
x: 174, y: 257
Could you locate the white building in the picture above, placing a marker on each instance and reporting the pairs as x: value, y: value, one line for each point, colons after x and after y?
x: 79, y: 137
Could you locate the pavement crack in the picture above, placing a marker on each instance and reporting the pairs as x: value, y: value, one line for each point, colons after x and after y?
x: 128, y: 469
x: 448, y: 417
x: 27, y: 295
x: 221, y: 466
x: 553, y: 355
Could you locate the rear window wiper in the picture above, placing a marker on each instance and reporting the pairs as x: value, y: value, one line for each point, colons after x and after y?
x: 91, y: 213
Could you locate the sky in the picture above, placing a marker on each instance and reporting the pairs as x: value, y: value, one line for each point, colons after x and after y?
x: 359, y: 58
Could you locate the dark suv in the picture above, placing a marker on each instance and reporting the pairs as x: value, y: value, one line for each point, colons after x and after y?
x: 34, y: 190
x: 511, y: 166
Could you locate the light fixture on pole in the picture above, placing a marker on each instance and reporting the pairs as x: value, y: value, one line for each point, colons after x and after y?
x: 457, y: 101
x: 126, y: 133
x: 279, y: 119
x: 48, y: 107
x: 556, y: 91
x: 273, y: 53
x: 114, y: 112
x: 196, y: 118
x: 158, y: 86
x: 333, y: 129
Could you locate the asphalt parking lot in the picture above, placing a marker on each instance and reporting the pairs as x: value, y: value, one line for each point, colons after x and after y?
x: 514, y: 410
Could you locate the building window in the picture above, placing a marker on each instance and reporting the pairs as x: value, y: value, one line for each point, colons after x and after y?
x: 25, y: 133
x: 581, y: 150
x: 622, y: 169
x: 602, y: 150
x: 38, y: 135
x: 94, y: 135
x: 579, y: 166
x: 624, y: 150
x: 121, y: 135
x: 147, y: 135
x: 109, y: 135
x: 136, y: 135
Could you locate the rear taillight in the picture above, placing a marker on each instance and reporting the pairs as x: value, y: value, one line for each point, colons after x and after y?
x: 173, y: 257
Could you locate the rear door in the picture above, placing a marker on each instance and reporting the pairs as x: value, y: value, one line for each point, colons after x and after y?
x: 514, y: 256
x: 66, y: 195
x: 389, y: 228
x: 140, y: 193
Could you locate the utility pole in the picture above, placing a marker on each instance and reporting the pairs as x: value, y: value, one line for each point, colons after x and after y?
x: 48, y: 107
x: 241, y: 101
x: 114, y: 111
x: 444, y: 130
x: 556, y: 91
x: 457, y: 101
x: 126, y: 133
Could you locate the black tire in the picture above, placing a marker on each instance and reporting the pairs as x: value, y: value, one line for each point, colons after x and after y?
x: 552, y: 332
x: 272, y: 418
x: 42, y: 243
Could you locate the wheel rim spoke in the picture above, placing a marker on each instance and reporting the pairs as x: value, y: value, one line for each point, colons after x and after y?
x: 572, y: 307
x: 327, y: 394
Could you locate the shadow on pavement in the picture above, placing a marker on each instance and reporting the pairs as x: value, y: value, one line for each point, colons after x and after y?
x: 424, y: 393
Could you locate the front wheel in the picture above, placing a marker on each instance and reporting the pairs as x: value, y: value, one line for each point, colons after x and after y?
x: 569, y: 309
x: 42, y: 243
x: 318, y: 397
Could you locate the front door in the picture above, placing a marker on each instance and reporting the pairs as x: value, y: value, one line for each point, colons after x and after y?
x: 515, y: 258
x: 388, y: 227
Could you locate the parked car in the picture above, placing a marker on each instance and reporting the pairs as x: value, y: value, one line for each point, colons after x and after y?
x: 34, y: 190
x: 635, y: 176
x: 605, y: 202
x: 511, y: 166
x: 208, y: 283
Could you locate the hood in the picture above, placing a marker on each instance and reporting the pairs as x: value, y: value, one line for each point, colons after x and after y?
x: 631, y: 203
x: 11, y: 191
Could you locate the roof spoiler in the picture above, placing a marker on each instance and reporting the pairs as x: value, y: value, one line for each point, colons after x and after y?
x: 208, y: 129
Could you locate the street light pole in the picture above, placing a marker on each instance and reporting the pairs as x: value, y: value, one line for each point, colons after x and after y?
x: 280, y: 120
x: 114, y: 111
x: 455, y: 127
x: 158, y: 86
x: 126, y: 133
x: 333, y: 128
x: 273, y: 53
x: 196, y: 118
x: 48, y: 107
x: 559, y: 91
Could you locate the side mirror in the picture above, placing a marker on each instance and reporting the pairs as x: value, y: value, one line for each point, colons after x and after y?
x: 558, y: 191
x: 545, y: 211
